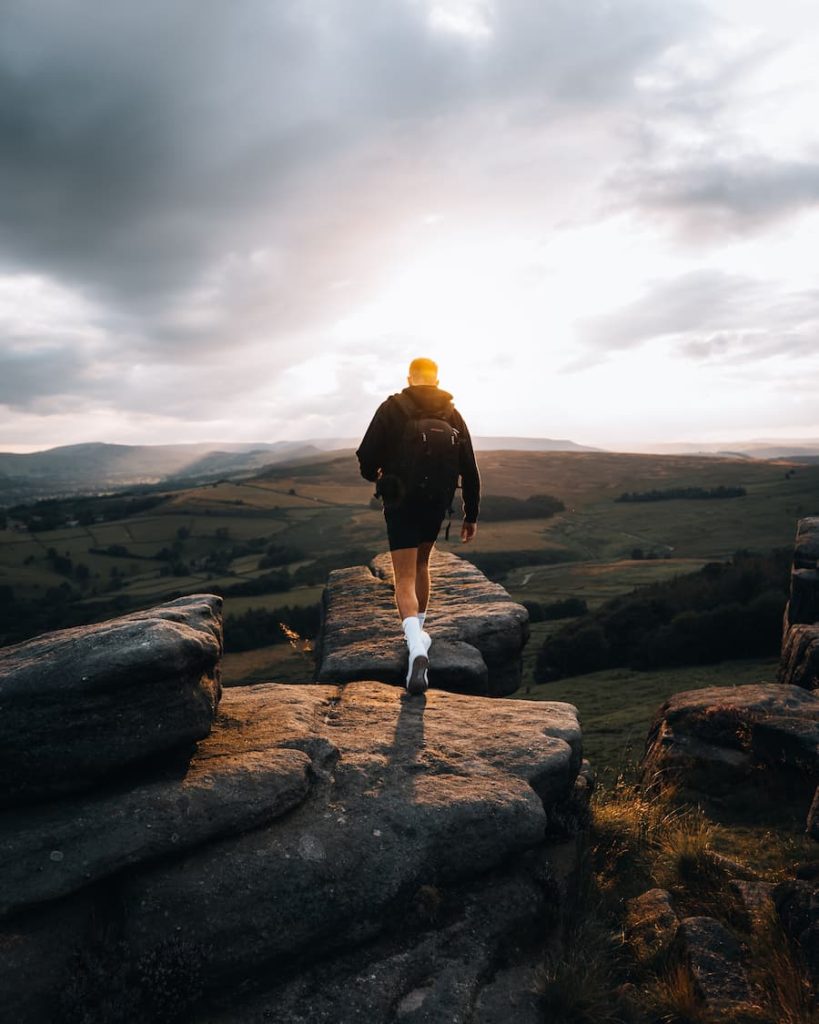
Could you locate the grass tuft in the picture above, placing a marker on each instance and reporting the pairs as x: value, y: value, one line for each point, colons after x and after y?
x: 579, y: 985
x: 776, y: 972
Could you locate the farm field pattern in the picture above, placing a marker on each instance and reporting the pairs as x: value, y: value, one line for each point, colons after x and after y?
x: 322, y: 509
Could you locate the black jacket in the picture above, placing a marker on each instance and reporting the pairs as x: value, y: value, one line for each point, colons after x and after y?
x: 379, y: 448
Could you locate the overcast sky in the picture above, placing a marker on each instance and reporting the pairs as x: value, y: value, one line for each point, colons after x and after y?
x: 239, y: 219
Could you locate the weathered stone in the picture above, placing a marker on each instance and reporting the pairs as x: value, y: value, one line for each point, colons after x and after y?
x: 512, y: 995
x: 651, y: 925
x: 362, y: 638
x: 803, y: 604
x: 584, y: 786
x: 714, y: 958
x: 787, y: 742
x: 458, y: 667
x: 675, y: 757
x: 449, y: 975
x: 806, y: 551
x: 81, y: 703
x: 54, y: 849
x: 37, y: 955
x: 424, y: 792
x: 703, y: 737
x: 799, y: 660
x: 756, y: 901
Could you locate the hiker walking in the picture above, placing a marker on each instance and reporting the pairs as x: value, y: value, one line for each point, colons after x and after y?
x: 415, y: 450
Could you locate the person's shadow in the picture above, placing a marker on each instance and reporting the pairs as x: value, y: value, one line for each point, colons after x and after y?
x: 404, y: 755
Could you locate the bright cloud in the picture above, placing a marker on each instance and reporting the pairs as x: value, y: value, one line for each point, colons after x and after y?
x: 241, y: 221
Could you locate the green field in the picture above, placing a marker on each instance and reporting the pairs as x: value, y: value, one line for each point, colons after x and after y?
x: 217, y: 533
x: 215, y: 536
x: 595, y: 582
x: 616, y: 706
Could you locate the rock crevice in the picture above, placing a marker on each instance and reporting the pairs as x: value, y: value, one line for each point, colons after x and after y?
x: 345, y: 841
x: 478, y: 631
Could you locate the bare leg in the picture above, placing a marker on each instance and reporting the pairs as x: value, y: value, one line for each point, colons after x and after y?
x: 422, y: 583
x: 404, y: 563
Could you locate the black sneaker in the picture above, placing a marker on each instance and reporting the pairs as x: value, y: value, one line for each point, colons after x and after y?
x: 417, y: 681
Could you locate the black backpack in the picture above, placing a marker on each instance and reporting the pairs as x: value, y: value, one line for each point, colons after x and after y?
x: 428, y: 461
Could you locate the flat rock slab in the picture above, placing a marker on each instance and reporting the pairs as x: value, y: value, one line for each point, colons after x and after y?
x: 480, y: 629
x: 714, y: 959
x: 409, y: 792
x: 439, y: 977
x: 55, y: 849
x: 79, y: 704
x: 704, y: 738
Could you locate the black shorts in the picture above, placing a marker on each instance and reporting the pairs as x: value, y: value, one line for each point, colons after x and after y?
x: 409, y: 525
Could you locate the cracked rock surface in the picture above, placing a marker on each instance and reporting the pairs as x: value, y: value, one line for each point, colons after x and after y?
x: 80, y: 703
x: 327, y: 852
x: 410, y: 792
x: 478, y: 631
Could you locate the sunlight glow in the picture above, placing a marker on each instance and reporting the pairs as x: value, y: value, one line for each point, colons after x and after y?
x: 470, y: 19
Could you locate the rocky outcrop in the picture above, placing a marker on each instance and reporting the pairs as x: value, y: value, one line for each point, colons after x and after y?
x: 477, y: 965
x: 415, y: 793
x: 55, y: 849
x: 709, y: 953
x: 799, y: 664
x: 82, y: 703
x: 806, y: 549
x: 717, y: 737
x: 405, y: 858
x: 799, y: 661
x: 478, y: 631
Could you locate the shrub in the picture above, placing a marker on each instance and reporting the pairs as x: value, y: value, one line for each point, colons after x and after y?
x: 726, y: 610
x: 502, y: 507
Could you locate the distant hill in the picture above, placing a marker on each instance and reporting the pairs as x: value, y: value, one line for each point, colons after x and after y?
x: 97, y: 467
x: 528, y: 444
x: 761, y: 449
x: 485, y: 444
x: 94, y: 467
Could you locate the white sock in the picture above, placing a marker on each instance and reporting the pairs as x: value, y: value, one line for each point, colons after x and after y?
x: 415, y: 639
x: 421, y: 617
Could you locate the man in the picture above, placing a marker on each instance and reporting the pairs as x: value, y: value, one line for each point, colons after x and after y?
x: 415, y: 450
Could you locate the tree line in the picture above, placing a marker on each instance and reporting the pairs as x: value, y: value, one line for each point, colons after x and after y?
x: 726, y: 610
x: 497, y: 508
x: 690, y: 493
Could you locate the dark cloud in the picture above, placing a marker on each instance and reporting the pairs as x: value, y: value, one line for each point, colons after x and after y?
x: 143, y: 144
x: 206, y: 174
x: 699, y: 301
x: 28, y: 376
x: 734, y: 196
